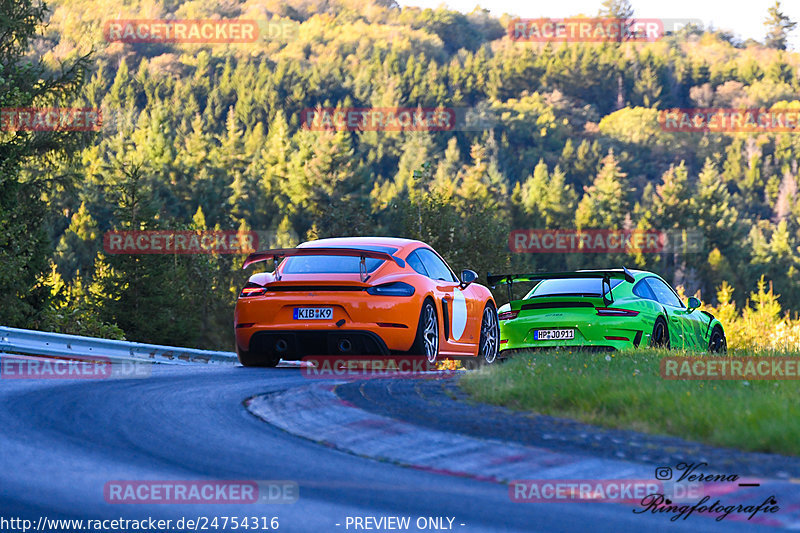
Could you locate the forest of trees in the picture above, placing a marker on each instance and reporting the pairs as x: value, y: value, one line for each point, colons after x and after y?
x: 210, y: 136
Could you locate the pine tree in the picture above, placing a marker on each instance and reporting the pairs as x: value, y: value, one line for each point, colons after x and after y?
x: 622, y: 11
x: 779, y: 25
x: 718, y: 220
x: 121, y: 95
x: 604, y: 204
x: 482, y: 182
x: 618, y: 9
x: 449, y: 166
x: 647, y: 87
x: 417, y: 149
x: 713, y: 206
x: 546, y: 199
x: 78, y: 245
x: 671, y: 205
x: 26, y: 81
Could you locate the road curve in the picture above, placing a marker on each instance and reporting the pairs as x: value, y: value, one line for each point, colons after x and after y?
x: 62, y: 441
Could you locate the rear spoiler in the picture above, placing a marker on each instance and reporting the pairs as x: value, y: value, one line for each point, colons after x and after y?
x: 605, y: 275
x: 279, y: 253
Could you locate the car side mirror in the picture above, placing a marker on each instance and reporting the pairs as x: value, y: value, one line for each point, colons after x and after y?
x: 693, y: 304
x: 467, y: 277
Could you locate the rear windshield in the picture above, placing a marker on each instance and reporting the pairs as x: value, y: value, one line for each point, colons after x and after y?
x: 570, y: 287
x: 331, y: 264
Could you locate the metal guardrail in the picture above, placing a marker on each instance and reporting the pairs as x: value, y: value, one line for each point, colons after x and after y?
x: 30, y: 342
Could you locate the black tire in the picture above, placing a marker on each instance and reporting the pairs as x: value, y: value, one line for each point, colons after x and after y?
x: 489, y: 343
x: 256, y: 360
x: 717, y: 342
x: 660, y: 336
x: 426, y: 342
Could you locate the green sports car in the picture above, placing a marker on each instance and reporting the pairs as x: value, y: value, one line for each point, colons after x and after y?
x: 603, y: 309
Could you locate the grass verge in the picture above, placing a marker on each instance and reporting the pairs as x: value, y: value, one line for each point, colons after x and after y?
x: 625, y: 390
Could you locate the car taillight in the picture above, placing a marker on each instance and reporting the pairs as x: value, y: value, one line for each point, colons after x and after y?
x: 397, y: 288
x: 610, y: 311
x: 508, y: 315
x: 252, y: 289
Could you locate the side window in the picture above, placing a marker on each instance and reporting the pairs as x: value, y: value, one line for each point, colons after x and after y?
x: 415, y: 263
x: 663, y: 293
x: 436, y: 268
x: 642, y: 290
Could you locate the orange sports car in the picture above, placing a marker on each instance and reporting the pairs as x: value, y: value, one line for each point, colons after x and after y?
x: 363, y: 296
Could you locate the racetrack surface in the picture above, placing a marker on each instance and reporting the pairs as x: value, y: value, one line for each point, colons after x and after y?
x: 62, y: 441
x: 441, y: 404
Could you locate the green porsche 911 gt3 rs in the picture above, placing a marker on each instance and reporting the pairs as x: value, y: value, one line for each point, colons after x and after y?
x: 606, y: 309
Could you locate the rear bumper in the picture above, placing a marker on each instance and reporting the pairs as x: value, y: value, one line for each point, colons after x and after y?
x: 292, y: 345
x: 376, y: 322
x: 508, y: 352
x: 612, y: 334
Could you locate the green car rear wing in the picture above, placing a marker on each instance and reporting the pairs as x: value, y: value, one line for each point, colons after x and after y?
x: 605, y: 275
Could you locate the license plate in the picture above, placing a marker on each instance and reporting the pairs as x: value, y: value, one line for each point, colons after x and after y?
x: 553, y: 334
x: 313, y: 313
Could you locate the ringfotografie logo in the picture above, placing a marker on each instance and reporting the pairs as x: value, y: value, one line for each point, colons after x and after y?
x: 715, y: 486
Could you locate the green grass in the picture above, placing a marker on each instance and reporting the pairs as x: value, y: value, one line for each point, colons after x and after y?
x: 628, y: 392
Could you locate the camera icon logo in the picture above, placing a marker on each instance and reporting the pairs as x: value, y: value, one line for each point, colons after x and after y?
x: 663, y: 473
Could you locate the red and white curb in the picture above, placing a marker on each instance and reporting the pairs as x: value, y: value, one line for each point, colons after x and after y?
x: 316, y: 413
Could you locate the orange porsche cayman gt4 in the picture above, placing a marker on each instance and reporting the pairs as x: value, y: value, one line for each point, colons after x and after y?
x: 363, y: 296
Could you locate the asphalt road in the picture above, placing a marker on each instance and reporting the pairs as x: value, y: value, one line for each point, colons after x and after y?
x: 62, y: 441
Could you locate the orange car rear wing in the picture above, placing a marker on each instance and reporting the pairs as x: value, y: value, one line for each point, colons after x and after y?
x: 279, y: 253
